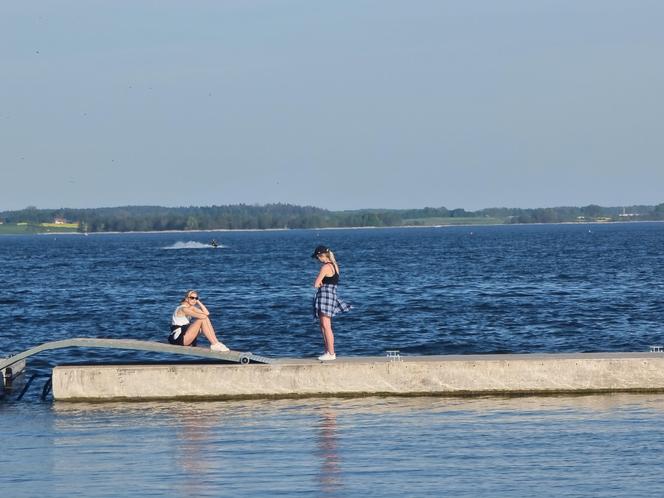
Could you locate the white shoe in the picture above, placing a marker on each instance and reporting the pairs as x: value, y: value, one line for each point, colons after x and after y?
x: 327, y: 357
x: 219, y: 347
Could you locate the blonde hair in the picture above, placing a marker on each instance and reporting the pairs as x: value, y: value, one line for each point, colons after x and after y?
x: 330, y: 255
x: 187, y: 294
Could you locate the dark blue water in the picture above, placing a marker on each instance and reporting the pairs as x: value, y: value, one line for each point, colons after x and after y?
x: 503, y: 289
x: 461, y: 290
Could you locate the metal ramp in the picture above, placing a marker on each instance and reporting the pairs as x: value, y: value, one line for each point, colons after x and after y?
x: 240, y: 357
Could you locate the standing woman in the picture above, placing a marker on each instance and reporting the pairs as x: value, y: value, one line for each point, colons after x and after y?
x: 326, y: 302
x: 185, y: 333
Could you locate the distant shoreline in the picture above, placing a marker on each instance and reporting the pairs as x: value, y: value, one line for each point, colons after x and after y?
x: 196, y: 219
x: 339, y: 228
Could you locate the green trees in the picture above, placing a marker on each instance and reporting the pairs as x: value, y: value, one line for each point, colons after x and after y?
x: 270, y: 216
x: 592, y: 211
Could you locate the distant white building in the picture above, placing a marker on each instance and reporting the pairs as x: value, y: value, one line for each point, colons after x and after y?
x: 627, y: 215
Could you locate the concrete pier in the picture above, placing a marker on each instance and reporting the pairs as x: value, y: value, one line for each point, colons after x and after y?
x: 367, y: 376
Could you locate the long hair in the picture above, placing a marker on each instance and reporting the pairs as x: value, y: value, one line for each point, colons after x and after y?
x: 330, y: 255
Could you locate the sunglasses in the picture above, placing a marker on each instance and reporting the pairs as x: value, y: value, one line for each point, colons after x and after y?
x: 195, y: 298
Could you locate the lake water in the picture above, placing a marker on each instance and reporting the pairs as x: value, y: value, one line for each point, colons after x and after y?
x: 453, y: 290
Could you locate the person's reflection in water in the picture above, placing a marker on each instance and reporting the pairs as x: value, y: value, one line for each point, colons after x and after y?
x: 195, y: 444
x: 329, y: 478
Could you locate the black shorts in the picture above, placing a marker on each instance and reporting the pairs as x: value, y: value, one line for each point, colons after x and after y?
x: 177, y: 335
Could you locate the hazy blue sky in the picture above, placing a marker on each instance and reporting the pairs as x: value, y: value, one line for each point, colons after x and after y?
x: 341, y: 105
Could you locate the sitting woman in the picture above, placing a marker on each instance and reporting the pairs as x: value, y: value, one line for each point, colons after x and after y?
x: 184, y: 332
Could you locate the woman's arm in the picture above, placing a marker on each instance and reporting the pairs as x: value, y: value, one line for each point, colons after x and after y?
x: 193, y: 311
x: 203, y: 309
x: 327, y: 270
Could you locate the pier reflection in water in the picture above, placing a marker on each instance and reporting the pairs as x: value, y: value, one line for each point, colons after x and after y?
x: 583, y: 445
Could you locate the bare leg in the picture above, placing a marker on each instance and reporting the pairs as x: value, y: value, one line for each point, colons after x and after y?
x: 192, y: 333
x: 328, y: 336
x: 322, y: 332
x: 208, y: 330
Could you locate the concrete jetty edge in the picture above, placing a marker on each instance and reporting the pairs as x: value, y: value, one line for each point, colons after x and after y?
x: 459, y: 375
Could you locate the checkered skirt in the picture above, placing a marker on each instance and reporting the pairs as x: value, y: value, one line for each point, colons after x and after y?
x: 326, y: 301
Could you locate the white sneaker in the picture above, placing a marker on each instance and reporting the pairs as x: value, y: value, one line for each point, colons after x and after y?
x: 327, y: 357
x: 219, y: 347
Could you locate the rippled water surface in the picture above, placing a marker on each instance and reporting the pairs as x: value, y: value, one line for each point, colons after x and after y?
x: 461, y: 290
x: 545, y: 446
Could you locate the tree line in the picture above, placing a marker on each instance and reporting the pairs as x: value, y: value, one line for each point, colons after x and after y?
x: 271, y: 216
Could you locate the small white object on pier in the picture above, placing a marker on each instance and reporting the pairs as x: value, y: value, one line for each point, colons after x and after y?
x: 393, y: 355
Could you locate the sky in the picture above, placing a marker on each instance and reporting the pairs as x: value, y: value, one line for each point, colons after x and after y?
x: 340, y: 105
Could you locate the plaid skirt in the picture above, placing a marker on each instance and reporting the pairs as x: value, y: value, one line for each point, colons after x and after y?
x: 327, y: 303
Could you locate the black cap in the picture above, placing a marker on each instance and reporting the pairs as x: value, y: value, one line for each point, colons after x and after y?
x: 319, y: 250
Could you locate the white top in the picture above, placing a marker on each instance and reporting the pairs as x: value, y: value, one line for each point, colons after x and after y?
x: 179, y: 319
